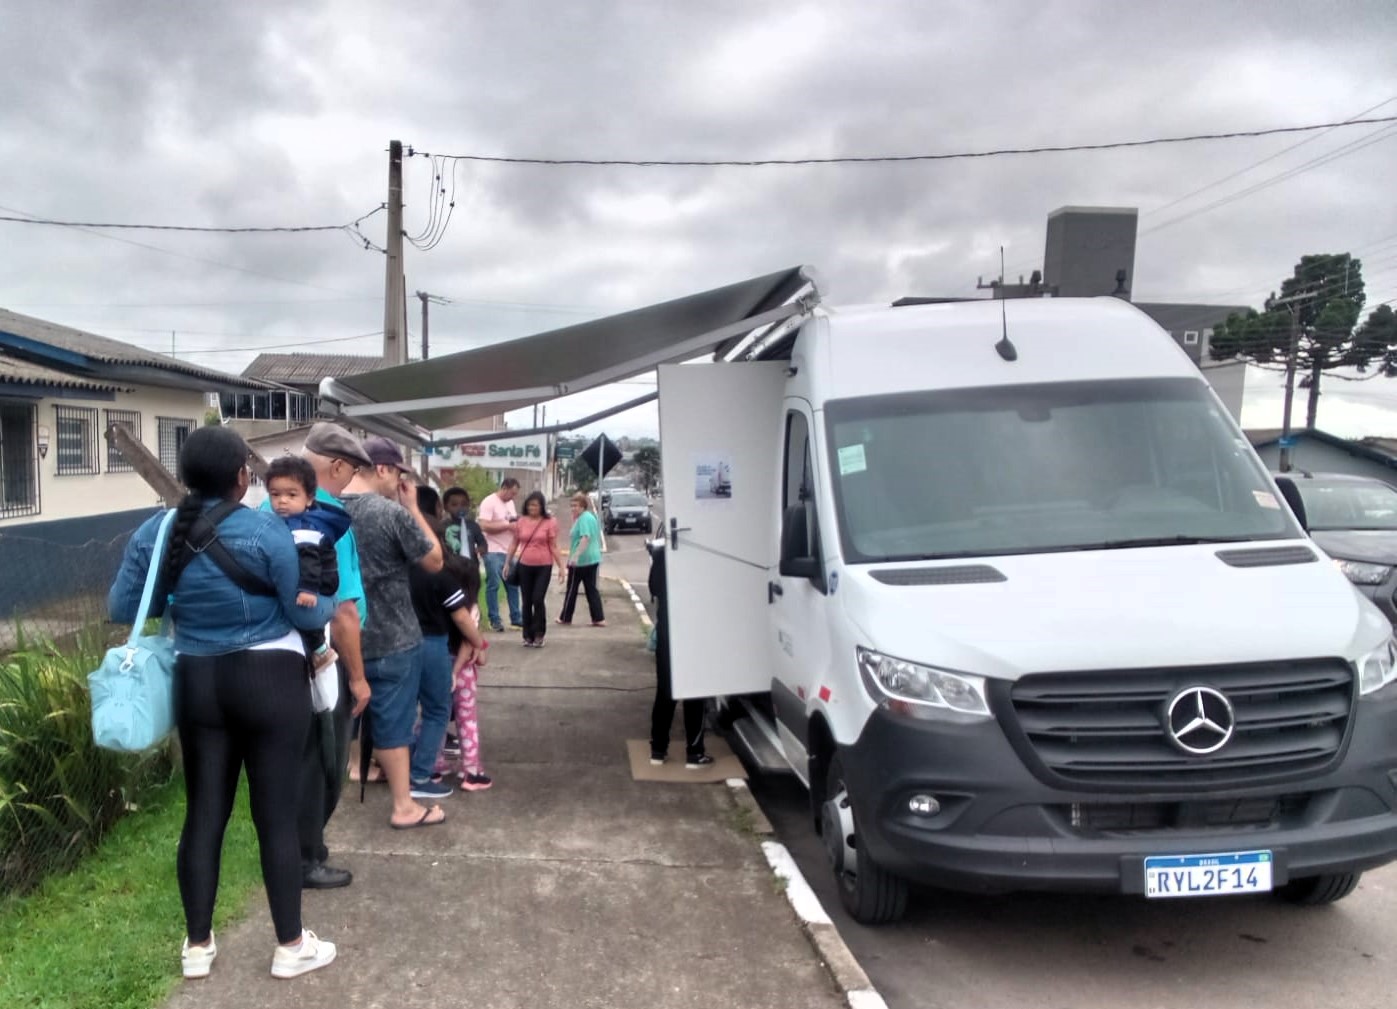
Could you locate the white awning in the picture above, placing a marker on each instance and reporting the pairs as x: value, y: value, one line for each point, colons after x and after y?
x: 412, y: 399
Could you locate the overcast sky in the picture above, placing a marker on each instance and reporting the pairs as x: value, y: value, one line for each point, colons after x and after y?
x: 256, y: 113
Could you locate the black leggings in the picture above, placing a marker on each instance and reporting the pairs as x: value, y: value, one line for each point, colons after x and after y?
x: 582, y: 577
x: 246, y: 708
x: 533, y: 590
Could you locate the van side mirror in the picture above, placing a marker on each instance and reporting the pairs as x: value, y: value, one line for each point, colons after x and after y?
x: 796, y: 560
x: 1291, y: 493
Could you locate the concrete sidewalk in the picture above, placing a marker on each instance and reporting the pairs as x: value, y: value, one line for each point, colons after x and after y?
x: 566, y: 885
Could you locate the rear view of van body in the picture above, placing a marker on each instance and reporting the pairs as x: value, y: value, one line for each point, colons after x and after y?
x: 1028, y: 620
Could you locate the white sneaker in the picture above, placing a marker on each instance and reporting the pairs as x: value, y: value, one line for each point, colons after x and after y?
x: 196, y: 960
x: 311, y: 955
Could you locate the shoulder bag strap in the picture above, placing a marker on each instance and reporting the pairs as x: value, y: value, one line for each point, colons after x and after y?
x: 203, y: 538
x: 157, y: 561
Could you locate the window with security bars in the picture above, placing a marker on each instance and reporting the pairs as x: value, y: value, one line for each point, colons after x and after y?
x: 76, y: 438
x: 19, y: 460
x: 173, y: 431
x: 131, y: 421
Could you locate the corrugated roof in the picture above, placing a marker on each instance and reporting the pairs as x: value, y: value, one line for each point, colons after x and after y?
x: 104, y: 350
x: 17, y: 372
x: 309, y: 369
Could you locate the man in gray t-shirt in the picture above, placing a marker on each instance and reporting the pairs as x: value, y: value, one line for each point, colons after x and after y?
x: 393, y: 535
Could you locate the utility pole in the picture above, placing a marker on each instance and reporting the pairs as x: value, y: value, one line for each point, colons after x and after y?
x: 427, y: 299
x: 394, y: 297
x: 1290, y: 302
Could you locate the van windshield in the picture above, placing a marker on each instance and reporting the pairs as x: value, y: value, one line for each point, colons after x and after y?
x: 1030, y: 469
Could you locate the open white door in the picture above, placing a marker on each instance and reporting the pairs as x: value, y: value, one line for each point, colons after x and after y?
x: 720, y: 438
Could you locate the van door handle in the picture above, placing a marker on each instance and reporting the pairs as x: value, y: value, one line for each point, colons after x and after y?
x: 773, y: 589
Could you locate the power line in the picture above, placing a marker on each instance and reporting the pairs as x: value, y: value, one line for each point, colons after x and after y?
x: 893, y: 158
x: 204, y: 229
x: 184, y: 255
x: 270, y: 346
x: 1353, y: 147
x: 1257, y: 164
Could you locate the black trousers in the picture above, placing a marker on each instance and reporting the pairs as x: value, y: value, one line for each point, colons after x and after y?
x: 662, y: 712
x: 582, y: 577
x: 322, y: 775
x: 533, y: 590
x: 245, y: 709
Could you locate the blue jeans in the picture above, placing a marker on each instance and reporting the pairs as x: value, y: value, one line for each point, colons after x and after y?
x: 435, y: 697
x: 494, y: 567
x: 395, y: 681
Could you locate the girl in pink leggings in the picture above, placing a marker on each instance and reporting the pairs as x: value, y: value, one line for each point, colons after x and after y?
x: 463, y: 703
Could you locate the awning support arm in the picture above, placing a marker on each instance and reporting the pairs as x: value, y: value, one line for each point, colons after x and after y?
x: 649, y: 397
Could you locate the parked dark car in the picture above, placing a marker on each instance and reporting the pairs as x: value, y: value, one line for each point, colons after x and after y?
x: 627, y: 509
x: 1354, y: 520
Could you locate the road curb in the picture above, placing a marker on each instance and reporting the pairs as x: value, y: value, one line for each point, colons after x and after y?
x: 858, y: 990
x: 639, y: 606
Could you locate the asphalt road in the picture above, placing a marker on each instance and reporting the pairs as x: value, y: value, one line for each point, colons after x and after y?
x: 958, y: 951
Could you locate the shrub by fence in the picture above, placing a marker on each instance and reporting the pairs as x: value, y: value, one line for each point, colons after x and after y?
x: 58, y: 792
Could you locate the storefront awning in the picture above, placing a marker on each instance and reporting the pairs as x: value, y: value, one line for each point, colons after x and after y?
x: 454, y: 390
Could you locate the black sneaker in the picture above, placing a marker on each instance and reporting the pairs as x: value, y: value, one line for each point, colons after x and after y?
x: 517, y: 625
x: 452, y: 747
x: 324, y: 877
x: 696, y: 761
x: 497, y: 627
x: 657, y: 757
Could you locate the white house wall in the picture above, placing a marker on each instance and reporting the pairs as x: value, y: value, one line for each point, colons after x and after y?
x: 70, y: 496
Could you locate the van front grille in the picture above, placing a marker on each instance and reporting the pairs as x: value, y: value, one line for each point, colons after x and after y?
x: 1111, y: 727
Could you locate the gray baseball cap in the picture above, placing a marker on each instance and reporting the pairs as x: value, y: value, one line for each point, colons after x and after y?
x: 334, y: 442
x: 384, y: 453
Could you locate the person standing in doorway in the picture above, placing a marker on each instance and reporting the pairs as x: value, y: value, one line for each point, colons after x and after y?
x: 584, y: 561
x: 394, y: 536
x: 497, y: 518
x: 535, y: 551
x: 696, y: 756
x: 336, y: 456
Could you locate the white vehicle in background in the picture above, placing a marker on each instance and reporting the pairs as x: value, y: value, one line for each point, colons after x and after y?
x: 1015, y: 599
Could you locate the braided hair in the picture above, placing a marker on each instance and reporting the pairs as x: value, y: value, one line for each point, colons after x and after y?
x: 209, y: 464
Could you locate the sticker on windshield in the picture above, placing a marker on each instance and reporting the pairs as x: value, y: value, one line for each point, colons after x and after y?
x: 1266, y: 499
x: 852, y: 460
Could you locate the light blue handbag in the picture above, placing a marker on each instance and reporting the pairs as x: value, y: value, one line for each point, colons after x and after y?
x: 133, y: 691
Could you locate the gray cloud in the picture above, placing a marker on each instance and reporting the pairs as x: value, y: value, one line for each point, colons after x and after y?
x: 273, y: 113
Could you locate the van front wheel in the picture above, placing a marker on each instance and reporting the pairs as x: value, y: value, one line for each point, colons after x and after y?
x: 1315, y: 890
x: 871, y: 894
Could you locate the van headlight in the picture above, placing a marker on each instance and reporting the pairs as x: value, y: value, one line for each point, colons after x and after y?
x: 1377, y: 669
x: 921, y: 688
x: 1362, y: 573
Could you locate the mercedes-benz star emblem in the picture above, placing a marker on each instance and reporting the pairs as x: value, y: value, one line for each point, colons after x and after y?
x: 1200, y: 720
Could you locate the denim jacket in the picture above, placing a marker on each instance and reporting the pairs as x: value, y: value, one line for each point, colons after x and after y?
x: 211, y: 615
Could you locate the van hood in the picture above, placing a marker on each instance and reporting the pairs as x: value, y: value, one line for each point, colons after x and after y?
x: 1114, y: 609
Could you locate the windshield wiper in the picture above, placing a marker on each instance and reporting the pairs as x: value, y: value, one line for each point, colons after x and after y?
x: 1161, y: 541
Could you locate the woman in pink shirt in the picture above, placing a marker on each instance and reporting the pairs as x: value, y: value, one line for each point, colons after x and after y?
x: 535, y: 549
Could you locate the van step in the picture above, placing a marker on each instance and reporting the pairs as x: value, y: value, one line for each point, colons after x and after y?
x: 760, y: 749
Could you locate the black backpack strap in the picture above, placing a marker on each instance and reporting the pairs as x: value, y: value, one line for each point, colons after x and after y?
x: 203, y: 538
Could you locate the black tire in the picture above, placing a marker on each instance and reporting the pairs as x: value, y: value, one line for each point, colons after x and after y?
x: 1312, y: 891
x: 872, y: 895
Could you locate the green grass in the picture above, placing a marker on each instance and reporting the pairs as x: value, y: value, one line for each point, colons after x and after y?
x: 107, y: 934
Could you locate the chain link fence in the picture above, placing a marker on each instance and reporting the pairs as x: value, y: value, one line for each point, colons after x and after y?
x: 58, y: 792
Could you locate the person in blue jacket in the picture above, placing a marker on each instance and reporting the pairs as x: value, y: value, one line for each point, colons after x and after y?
x: 241, y: 692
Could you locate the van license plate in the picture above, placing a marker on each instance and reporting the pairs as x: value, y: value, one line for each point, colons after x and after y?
x: 1208, y: 875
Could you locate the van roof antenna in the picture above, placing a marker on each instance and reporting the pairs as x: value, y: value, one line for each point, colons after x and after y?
x: 1005, y: 347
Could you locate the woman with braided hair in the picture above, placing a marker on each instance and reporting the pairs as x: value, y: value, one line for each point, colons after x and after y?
x: 229, y: 577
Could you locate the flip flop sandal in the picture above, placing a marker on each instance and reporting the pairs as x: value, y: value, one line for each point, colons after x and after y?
x: 422, y: 821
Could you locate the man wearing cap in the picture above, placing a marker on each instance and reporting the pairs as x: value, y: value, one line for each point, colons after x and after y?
x: 335, y: 455
x: 393, y: 535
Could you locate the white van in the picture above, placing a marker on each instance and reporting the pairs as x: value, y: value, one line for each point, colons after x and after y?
x: 1015, y: 598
